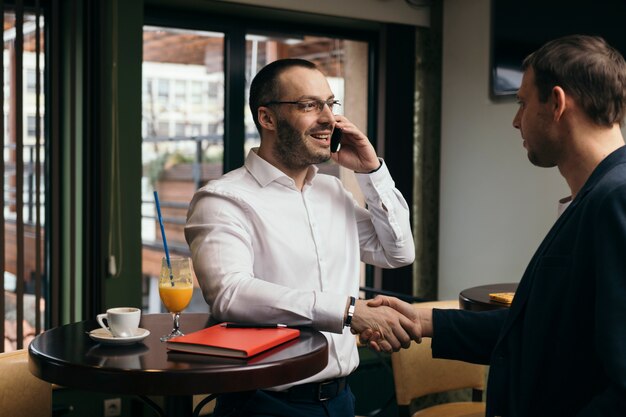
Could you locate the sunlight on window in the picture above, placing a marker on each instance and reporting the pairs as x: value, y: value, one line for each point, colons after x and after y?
x: 24, y: 186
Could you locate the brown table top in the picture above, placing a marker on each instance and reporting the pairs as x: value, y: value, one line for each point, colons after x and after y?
x: 477, y: 298
x: 67, y: 356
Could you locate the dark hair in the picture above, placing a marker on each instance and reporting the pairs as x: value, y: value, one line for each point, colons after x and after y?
x: 265, y: 86
x: 586, y: 67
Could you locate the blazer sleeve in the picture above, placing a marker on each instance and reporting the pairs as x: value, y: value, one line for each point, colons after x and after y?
x: 468, y: 336
x: 609, y: 337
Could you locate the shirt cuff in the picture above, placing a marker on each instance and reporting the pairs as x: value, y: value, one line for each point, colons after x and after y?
x: 330, y: 310
x: 377, y: 182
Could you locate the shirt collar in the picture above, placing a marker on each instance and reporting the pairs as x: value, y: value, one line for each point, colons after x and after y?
x: 563, y: 205
x: 265, y: 173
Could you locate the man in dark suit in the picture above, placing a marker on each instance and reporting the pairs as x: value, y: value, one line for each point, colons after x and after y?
x: 560, y: 350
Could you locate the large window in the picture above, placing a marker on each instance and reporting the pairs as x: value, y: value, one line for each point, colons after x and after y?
x: 22, y: 257
x: 184, y: 113
x: 327, y: 53
x: 182, y: 128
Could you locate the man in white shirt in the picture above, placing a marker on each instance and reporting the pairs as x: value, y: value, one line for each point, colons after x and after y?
x: 274, y: 241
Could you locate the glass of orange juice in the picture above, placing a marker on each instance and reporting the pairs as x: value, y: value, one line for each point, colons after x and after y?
x: 175, y: 289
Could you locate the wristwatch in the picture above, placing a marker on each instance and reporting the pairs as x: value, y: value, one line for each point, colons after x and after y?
x: 350, y: 314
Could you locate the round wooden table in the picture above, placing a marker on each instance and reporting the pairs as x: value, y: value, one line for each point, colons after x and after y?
x: 67, y: 356
x: 477, y: 298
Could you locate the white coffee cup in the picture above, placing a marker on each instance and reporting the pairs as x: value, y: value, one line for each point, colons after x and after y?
x: 122, y: 321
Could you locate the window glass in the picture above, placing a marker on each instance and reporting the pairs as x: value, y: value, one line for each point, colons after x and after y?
x: 180, y: 90
x: 31, y: 81
x: 31, y: 126
x: 183, y: 120
x: 329, y: 54
x: 196, y: 93
x: 30, y: 173
x: 177, y: 156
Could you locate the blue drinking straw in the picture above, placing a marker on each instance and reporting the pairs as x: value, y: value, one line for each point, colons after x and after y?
x: 167, y: 251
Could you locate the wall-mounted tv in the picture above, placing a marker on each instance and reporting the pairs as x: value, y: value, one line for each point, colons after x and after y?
x: 519, y: 27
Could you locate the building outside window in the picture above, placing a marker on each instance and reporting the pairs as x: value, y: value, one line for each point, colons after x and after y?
x: 23, y: 193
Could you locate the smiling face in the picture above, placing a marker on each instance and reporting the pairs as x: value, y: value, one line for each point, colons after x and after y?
x: 302, y: 137
x: 534, y: 119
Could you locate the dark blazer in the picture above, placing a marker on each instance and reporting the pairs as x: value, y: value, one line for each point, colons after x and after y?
x: 560, y: 350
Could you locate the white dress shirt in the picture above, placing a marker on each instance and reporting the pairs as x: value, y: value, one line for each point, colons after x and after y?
x: 266, y: 252
x: 563, y: 205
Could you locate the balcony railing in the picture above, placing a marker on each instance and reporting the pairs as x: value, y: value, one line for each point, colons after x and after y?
x: 29, y: 193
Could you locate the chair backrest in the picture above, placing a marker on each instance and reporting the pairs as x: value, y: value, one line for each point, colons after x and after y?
x: 416, y: 373
x: 21, y: 393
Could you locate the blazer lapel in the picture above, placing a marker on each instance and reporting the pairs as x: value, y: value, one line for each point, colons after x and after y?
x: 523, y: 290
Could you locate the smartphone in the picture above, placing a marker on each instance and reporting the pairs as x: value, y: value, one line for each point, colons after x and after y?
x: 335, y: 140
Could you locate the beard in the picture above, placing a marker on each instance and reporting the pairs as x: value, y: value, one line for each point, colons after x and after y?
x: 544, y: 153
x: 293, y: 149
x: 540, y: 161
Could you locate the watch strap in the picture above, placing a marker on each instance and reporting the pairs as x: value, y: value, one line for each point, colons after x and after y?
x: 350, y: 314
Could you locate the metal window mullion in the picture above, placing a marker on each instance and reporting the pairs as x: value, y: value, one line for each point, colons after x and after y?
x: 19, y: 170
x: 38, y: 254
x: 72, y: 163
x: 234, y: 98
x: 53, y: 168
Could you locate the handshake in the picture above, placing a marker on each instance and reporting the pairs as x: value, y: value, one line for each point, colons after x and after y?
x: 388, y: 324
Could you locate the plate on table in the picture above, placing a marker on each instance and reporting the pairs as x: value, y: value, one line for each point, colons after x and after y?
x: 104, y: 336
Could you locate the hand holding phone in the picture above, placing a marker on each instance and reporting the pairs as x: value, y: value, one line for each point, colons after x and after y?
x: 335, y: 140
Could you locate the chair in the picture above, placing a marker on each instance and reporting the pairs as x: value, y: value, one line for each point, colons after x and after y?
x: 207, y: 407
x: 21, y: 393
x: 416, y: 374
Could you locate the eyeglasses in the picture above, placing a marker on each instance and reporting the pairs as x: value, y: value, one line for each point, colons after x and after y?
x: 307, y: 106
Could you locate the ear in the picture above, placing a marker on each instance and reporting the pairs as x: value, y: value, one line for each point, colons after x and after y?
x: 559, y: 103
x: 267, y: 118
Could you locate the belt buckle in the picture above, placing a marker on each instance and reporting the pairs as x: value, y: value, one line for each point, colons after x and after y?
x: 320, y: 396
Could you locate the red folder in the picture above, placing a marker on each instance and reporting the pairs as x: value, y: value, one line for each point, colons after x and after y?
x: 232, y: 342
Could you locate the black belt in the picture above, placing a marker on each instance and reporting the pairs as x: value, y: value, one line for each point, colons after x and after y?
x: 314, y: 391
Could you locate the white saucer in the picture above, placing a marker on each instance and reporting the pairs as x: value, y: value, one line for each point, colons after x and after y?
x: 104, y: 336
